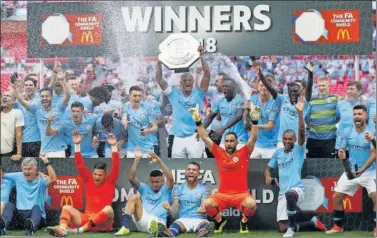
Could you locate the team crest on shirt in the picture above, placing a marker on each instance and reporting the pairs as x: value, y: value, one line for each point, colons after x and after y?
x: 88, y: 127
x: 268, y: 111
x: 3, y: 185
x: 234, y: 106
x: 197, y: 195
x: 366, y: 141
x: 142, y: 116
x: 235, y: 159
x: 329, y: 100
x: 192, y: 99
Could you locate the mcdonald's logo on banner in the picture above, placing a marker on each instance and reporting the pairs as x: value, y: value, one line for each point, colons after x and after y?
x: 66, y: 200
x: 343, y: 33
x: 347, y: 204
x: 86, y: 35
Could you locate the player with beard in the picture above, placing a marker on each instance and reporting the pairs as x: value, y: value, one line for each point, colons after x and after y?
x: 54, y: 146
x: 185, y: 143
x: 230, y: 108
x: 233, y: 167
x: 289, y: 161
x: 288, y: 116
x: 362, y: 155
x: 99, y: 187
x: 186, y: 201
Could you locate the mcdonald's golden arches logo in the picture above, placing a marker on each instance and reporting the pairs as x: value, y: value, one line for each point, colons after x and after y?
x: 347, y: 203
x: 86, y: 35
x: 66, y: 200
x: 343, y: 33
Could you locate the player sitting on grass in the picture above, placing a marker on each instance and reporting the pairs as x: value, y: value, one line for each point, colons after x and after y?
x: 146, y: 209
x: 186, y: 200
x: 233, y: 168
x: 289, y: 161
x: 99, y: 187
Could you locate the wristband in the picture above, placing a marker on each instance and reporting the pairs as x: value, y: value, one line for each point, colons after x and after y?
x: 198, y: 123
x: 19, y: 153
x: 254, y: 123
x: 47, y: 164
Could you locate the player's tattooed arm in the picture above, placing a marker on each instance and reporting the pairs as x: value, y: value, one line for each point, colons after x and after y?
x: 161, y: 82
x: 173, y: 209
x: 266, y: 83
x: 206, y: 72
x: 132, y: 174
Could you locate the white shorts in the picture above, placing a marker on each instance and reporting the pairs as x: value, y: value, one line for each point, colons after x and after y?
x: 282, y: 212
x: 187, y: 147
x: 262, y: 153
x: 350, y: 187
x: 144, y: 223
x: 131, y: 154
x: 191, y: 224
x: 55, y: 154
x: 109, y: 153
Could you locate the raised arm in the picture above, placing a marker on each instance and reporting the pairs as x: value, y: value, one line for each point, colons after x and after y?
x: 255, y: 115
x: 51, y: 177
x: 56, y: 71
x: 115, y: 167
x: 163, y: 84
x: 50, y: 131
x: 67, y: 92
x: 201, y: 130
x: 206, y: 72
x: 167, y: 172
x: 79, y: 160
x: 301, y: 125
x: 173, y: 209
x: 209, y: 119
x: 132, y: 174
x: 20, y: 98
x: 309, y: 88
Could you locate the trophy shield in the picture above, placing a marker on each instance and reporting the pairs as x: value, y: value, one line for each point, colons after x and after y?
x: 179, y: 51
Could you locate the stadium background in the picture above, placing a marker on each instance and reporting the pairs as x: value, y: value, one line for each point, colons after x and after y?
x: 341, y: 69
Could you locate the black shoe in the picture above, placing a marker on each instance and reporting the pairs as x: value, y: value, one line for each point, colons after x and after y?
x: 29, y: 227
x: 243, y: 228
x: 3, y: 230
x: 220, y: 225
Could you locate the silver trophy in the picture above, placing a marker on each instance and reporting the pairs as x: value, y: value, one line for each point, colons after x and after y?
x: 179, y: 51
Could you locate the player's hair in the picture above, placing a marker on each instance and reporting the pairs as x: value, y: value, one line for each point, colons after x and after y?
x: 269, y: 77
x: 100, y: 165
x: 77, y: 104
x: 301, y: 82
x: 231, y: 133
x: 362, y: 107
x: 29, y: 161
x: 70, y: 75
x: 186, y: 75
x: 222, y: 75
x: 107, y: 120
x: 323, y: 79
x: 135, y: 88
x: 289, y: 131
x: 101, y: 93
x: 194, y: 163
x: 48, y: 89
x: 293, y: 84
x: 156, y: 173
x: 357, y: 85
x: 30, y: 77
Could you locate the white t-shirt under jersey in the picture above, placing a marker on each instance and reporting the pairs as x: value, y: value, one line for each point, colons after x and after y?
x: 9, y: 122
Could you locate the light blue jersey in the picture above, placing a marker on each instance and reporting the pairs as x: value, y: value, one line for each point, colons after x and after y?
x: 141, y: 119
x: 155, y: 110
x: 183, y: 125
x: 190, y: 200
x: 371, y: 111
x: 288, y: 115
x: 118, y: 131
x: 6, y: 187
x: 56, y: 99
x: 344, y: 112
x: 86, y: 130
x: 358, y: 147
x: 29, y: 194
x: 227, y: 111
x: 152, y: 202
x: 49, y: 143
x: 111, y: 105
x: 270, y: 112
x: 30, y: 131
x: 88, y: 104
x: 289, y: 165
x: 215, y: 96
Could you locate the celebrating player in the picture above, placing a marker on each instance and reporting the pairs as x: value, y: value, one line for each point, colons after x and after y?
x: 289, y: 161
x: 362, y: 156
x: 99, y: 214
x: 233, y: 167
x: 146, y: 210
x: 187, y: 199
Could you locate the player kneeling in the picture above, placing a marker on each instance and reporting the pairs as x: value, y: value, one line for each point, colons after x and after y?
x: 186, y: 200
x: 146, y: 210
x: 99, y: 214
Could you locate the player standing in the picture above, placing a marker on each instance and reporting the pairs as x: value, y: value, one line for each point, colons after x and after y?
x: 233, y: 167
x: 289, y: 161
x: 361, y: 155
x: 99, y: 214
